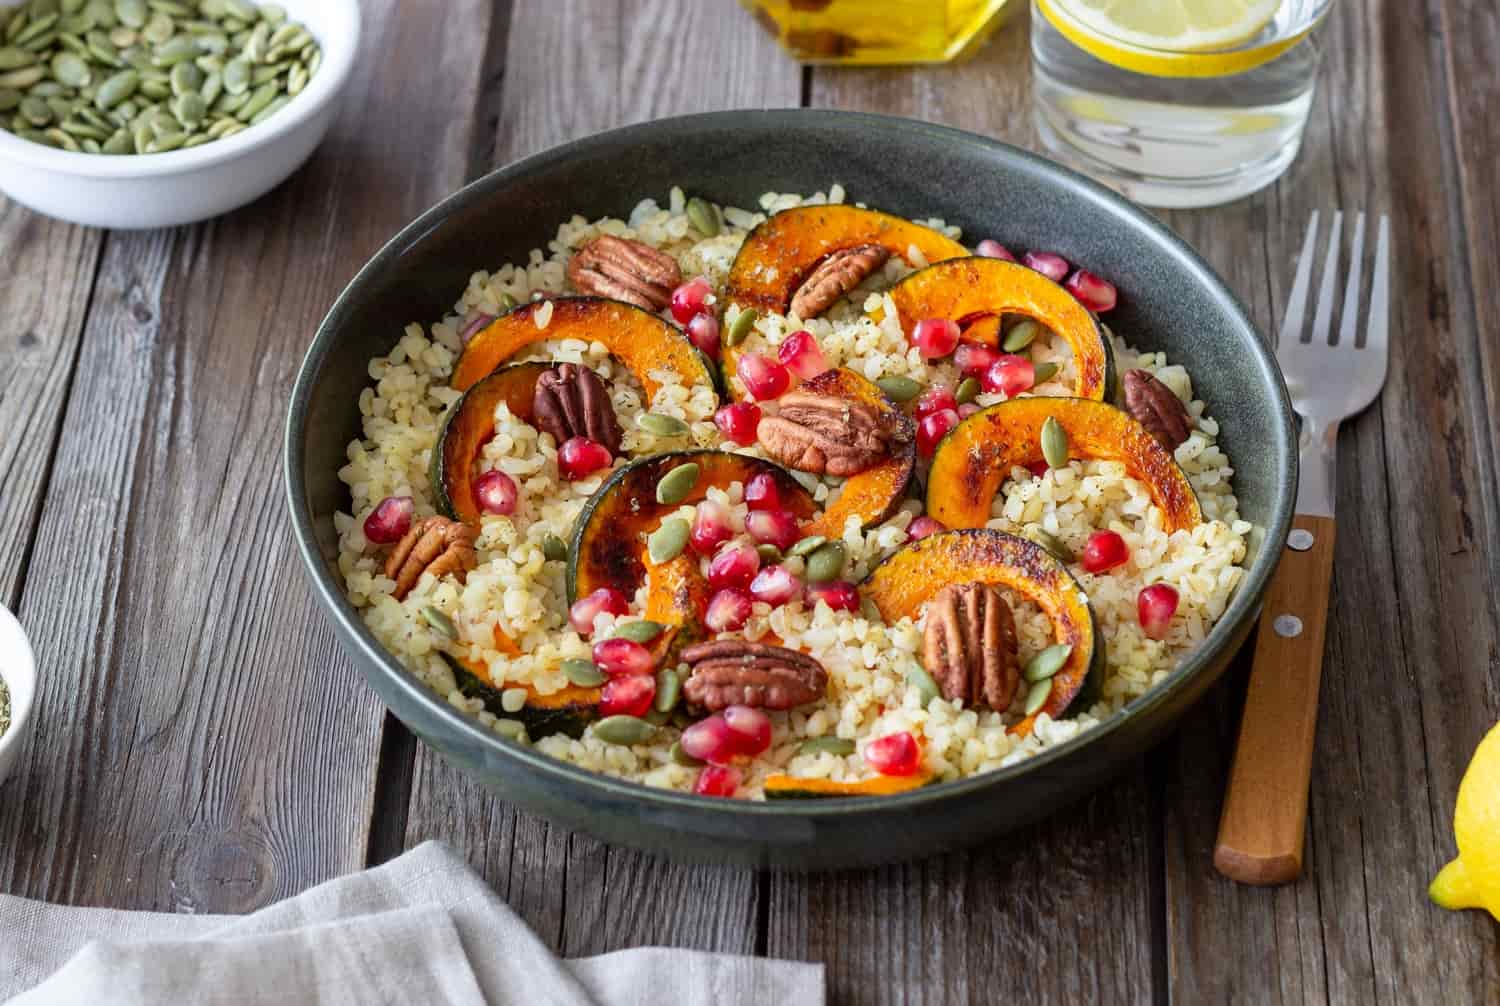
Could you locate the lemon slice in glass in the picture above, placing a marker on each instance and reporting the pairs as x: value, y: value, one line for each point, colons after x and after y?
x: 1176, y: 25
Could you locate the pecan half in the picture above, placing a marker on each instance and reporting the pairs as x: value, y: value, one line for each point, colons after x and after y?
x: 625, y: 270
x: 970, y: 645
x: 572, y: 401
x: 436, y: 545
x: 735, y: 672
x: 1155, y: 407
x: 823, y: 434
x: 835, y: 276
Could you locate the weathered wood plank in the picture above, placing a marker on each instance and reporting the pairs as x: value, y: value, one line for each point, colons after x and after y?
x: 573, y: 68
x: 49, y: 269
x: 1409, y: 683
x: 204, y: 745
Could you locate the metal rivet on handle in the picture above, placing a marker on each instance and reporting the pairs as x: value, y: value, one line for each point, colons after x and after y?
x: 1287, y: 626
x: 1299, y: 540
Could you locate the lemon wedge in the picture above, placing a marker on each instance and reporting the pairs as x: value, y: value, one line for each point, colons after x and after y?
x: 1473, y: 879
x: 1176, y: 25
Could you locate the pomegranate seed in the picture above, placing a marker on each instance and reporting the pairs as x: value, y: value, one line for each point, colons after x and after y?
x: 580, y: 457
x: 581, y: 616
x: 478, y: 324
x: 762, y: 492
x: 703, y: 332
x: 1155, y: 605
x: 628, y: 695
x: 496, y: 492
x: 1039, y: 468
x: 974, y: 358
x: 773, y: 527
x: 619, y: 656
x: 734, y: 566
x: 711, y: 527
x: 800, y: 354
x: 1098, y: 295
x: 967, y: 409
x: 934, y: 428
x: 775, y: 585
x: 924, y: 526
x: 763, y: 377
x: 935, y: 337
x: 717, y: 780
x: 990, y: 248
x: 894, y: 754
x: 689, y: 299
x: 1104, y: 551
x: 1053, y: 266
x: 710, y: 740
x: 751, y: 728
x: 390, y: 520
x: 935, y: 399
x: 840, y: 595
x: 738, y: 422
x: 1010, y: 375
x: 728, y: 610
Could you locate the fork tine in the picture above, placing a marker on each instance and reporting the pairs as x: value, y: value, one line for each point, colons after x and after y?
x: 1378, y: 332
x: 1349, y: 317
x: 1296, y: 304
x: 1323, y: 319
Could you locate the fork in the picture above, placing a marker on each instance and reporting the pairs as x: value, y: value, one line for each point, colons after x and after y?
x: 1331, y: 377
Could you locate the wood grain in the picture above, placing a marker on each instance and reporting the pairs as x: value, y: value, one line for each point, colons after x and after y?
x: 574, y: 68
x: 205, y: 745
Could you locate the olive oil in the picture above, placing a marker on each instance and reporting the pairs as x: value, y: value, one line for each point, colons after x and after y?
x: 867, y: 32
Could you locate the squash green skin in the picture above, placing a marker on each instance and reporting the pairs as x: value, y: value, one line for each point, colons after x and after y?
x: 976, y: 457
x: 568, y: 712
x: 468, y: 426
x: 909, y: 577
x: 609, y: 537
x: 785, y: 787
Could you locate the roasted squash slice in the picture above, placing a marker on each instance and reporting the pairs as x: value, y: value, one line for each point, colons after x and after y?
x: 903, y: 583
x: 875, y: 493
x: 641, y: 341
x: 778, y: 255
x: 677, y: 596
x: 966, y: 289
x: 567, y: 711
x: 786, y: 787
x: 976, y: 457
x: 609, y: 538
x: 468, y: 426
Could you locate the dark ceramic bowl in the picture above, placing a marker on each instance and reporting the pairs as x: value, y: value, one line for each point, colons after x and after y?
x: 1171, y: 301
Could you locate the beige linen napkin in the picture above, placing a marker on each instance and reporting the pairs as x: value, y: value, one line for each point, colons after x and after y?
x: 421, y: 929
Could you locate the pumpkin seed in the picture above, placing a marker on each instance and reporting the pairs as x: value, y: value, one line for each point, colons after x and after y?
x: 84, y: 131
x: 273, y: 13
x: 270, y: 110
x: 827, y: 563
x: 1053, y: 546
x: 807, y: 545
x: 659, y: 425
x: 440, y: 623
x: 259, y: 99
x: 668, y: 690
x: 159, y: 28
x: 704, y: 217
x: 681, y: 757
x: 639, y: 631
x: 675, y: 486
x: 177, y: 50
x: 768, y: 552
x: 739, y: 328
x: 839, y: 746
x: 166, y: 143
x: 1044, y: 373
x: 14, y: 58
x: 1037, y: 696
x: 23, y: 78
x: 36, y: 29
x: 554, y: 549
x: 583, y: 673
x: 116, y: 89
x: 296, y: 80
x: 513, y: 730
x: 185, y: 78
x: 1054, y: 443
x: 899, y: 389
x: 667, y: 542
x: 870, y: 610
x: 1047, y: 663
x: 927, y: 688
x: 624, y: 730
x: 36, y: 111
x: 190, y: 109
x: 132, y: 13
x: 9, y: 100
x: 70, y: 70
x: 118, y: 143
x: 967, y: 391
x: 1021, y: 335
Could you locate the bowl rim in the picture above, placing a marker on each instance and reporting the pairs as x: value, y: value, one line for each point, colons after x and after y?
x: 22, y: 683
x: 339, y: 53
x: 1243, y: 605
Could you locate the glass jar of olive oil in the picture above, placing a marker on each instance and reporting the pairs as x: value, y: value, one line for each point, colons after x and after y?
x: 867, y: 32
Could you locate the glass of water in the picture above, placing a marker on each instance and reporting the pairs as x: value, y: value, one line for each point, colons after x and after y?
x: 1173, y: 127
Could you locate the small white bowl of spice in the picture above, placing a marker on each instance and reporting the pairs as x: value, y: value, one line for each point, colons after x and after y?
x: 17, y: 690
x: 153, y: 113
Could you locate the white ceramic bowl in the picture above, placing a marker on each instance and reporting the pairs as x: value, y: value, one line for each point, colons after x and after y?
x: 185, y: 186
x: 18, y: 669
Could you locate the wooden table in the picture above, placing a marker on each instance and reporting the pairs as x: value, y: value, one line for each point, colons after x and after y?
x: 209, y: 748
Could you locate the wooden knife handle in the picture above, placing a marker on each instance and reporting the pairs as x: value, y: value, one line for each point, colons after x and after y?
x: 1265, y: 805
